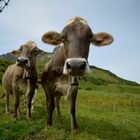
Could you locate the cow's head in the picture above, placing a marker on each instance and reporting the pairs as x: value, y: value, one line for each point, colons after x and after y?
x: 76, y: 37
x: 26, y: 55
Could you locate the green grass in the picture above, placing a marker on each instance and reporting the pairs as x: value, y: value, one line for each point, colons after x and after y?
x: 108, y: 108
x: 101, y: 115
x: 3, y: 66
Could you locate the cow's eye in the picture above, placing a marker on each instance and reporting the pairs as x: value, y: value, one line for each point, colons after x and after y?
x: 90, y: 36
x: 35, y: 51
x: 20, y: 49
x: 64, y: 38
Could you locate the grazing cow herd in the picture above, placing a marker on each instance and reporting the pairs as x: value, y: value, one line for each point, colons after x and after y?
x: 61, y: 73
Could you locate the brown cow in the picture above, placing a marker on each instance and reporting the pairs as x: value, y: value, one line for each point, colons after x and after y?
x: 60, y: 76
x: 21, y: 77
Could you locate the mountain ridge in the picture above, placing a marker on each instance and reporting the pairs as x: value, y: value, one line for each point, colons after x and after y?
x: 98, y: 76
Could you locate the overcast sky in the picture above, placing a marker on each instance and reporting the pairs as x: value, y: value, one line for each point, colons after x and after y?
x: 25, y: 20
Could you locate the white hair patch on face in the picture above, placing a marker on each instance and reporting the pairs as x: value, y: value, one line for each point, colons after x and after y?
x: 31, y: 43
x: 70, y: 21
x: 87, y: 71
x: 76, y: 19
x: 83, y: 21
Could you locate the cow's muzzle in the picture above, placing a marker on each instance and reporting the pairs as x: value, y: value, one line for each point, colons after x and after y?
x: 76, y: 67
x: 23, y: 62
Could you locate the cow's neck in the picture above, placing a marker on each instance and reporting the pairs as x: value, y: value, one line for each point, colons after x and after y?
x: 74, y: 80
x: 58, y: 61
x: 31, y: 73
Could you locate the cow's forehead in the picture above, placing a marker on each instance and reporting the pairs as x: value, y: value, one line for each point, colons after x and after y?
x: 79, y: 19
x: 30, y: 45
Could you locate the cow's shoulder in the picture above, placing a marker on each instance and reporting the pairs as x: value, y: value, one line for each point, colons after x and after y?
x: 58, y: 61
x: 54, y: 68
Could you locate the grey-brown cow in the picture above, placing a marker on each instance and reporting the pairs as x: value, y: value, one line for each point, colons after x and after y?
x: 60, y: 76
x: 21, y: 77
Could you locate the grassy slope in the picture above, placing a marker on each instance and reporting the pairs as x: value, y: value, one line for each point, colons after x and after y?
x: 106, y: 109
x: 100, y: 115
x: 98, y: 76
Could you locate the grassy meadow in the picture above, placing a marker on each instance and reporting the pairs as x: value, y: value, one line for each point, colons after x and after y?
x: 108, y: 108
x: 101, y: 115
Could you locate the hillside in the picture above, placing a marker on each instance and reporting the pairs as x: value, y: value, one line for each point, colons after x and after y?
x: 98, y: 76
x: 8, y: 56
x: 108, y: 108
x: 103, y: 76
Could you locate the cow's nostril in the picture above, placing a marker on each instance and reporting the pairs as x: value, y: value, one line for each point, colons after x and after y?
x: 68, y: 65
x: 25, y: 61
x: 83, y: 66
x: 18, y: 60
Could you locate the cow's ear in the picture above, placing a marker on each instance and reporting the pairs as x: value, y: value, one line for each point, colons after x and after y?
x: 39, y: 52
x: 102, y: 39
x: 16, y: 53
x: 52, y: 38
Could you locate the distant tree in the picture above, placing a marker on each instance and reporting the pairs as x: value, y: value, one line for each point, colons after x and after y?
x: 3, y: 4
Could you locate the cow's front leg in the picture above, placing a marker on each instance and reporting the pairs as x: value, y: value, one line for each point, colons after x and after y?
x: 6, y: 102
x: 74, y: 90
x: 16, y: 103
x: 50, y: 106
x: 58, y: 107
x: 30, y: 96
x: 33, y: 100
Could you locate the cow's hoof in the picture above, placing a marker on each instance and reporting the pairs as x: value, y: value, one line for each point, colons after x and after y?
x: 15, y: 119
x: 75, y: 131
x: 49, y: 125
x: 60, y: 119
x: 29, y: 117
x: 7, y: 113
x: 29, y: 114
